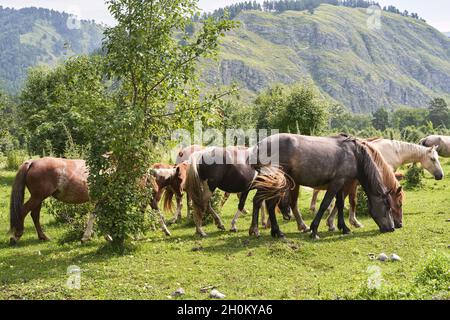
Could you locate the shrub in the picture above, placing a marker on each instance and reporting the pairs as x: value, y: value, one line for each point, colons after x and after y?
x: 414, y: 177
x: 362, y: 207
x: 15, y: 158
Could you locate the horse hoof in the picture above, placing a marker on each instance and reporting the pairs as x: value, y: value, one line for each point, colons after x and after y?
x: 356, y: 224
x: 314, y: 236
x: 346, y: 231
x: 234, y: 230
x: 304, y: 229
x: 12, y: 241
x: 221, y: 227
x: 332, y: 229
x: 254, y: 232
x: 45, y: 239
x: 277, y: 234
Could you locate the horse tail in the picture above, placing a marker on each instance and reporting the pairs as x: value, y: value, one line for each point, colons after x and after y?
x: 17, y: 197
x: 194, y: 185
x: 271, y: 182
x: 168, y: 199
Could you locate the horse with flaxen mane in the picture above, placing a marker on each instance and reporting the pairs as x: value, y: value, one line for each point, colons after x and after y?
x: 331, y: 163
x: 395, y: 153
x: 66, y: 181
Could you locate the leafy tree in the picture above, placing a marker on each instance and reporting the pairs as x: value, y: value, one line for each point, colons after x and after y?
x: 298, y: 109
x: 158, y: 91
x: 64, y: 97
x: 408, y: 117
x: 439, y: 113
x: 380, y: 119
x: 8, y: 124
x: 267, y: 107
x: 305, y: 112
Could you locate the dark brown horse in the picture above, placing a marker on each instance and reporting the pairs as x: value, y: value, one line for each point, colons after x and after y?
x: 66, y: 181
x: 228, y: 169
x: 326, y: 161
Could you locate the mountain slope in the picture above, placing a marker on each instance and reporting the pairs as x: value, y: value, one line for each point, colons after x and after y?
x: 32, y: 36
x: 407, y: 62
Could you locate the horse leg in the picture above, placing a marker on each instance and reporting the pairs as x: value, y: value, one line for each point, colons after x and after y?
x: 30, y: 205
x: 36, y: 214
x: 216, y: 217
x: 188, y: 206
x: 177, y: 217
x: 301, y: 226
x: 239, y: 195
x: 352, y: 211
x: 242, y: 198
x: 226, y: 195
x: 330, y: 219
x: 89, y: 228
x: 312, y: 207
x: 330, y: 194
x: 264, y: 222
x: 340, y: 208
x: 275, y: 229
x: 253, y: 231
x: 198, y: 220
x: 163, y: 225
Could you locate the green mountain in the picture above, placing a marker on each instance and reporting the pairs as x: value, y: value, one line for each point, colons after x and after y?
x: 32, y: 36
x: 406, y: 62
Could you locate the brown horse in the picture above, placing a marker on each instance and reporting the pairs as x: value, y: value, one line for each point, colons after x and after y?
x: 62, y: 179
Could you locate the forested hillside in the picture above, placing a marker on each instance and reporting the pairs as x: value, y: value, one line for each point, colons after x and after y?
x: 33, y: 36
x: 405, y: 63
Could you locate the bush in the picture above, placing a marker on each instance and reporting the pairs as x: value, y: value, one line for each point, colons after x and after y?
x: 15, y: 158
x: 414, y: 177
x: 362, y: 207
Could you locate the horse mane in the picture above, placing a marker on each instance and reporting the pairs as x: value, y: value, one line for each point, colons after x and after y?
x: 373, y: 139
x: 369, y: 167
x: 387, y: 174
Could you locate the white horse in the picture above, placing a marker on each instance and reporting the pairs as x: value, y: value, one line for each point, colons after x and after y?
x: 396, y: 154
x: 441, y: 142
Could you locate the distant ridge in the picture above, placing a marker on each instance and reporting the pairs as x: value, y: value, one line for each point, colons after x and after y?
x: 405, y: 63
x: 33, y: 36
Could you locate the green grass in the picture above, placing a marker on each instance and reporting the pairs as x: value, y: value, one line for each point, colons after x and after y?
x: 241, y: 267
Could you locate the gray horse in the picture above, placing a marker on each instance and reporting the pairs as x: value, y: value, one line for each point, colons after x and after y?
x: 441, y: 142
x: 325, y: 162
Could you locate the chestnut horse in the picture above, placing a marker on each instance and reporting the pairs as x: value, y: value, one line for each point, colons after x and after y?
x: 396, y: 154
x: 62, y: 179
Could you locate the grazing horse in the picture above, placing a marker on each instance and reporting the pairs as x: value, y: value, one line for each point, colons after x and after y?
x: 62, y: 179
x: 183, y: 156
x: 334, y: 162
x: 442, y: 144
x: 228, y: 169
x: 396, y: 154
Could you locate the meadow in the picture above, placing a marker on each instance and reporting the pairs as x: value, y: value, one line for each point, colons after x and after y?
x: 241, y: 267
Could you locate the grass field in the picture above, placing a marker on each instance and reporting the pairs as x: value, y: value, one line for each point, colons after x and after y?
x: 335, y: 267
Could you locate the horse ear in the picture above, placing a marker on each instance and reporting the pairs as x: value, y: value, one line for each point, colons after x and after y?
x: 389, y: 192
x: 399, y: 190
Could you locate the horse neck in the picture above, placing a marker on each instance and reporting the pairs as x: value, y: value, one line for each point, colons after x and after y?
x: 409, y: 152
x: 370, y: 175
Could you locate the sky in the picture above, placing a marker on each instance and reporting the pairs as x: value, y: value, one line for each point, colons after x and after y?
x: 436, y: 12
